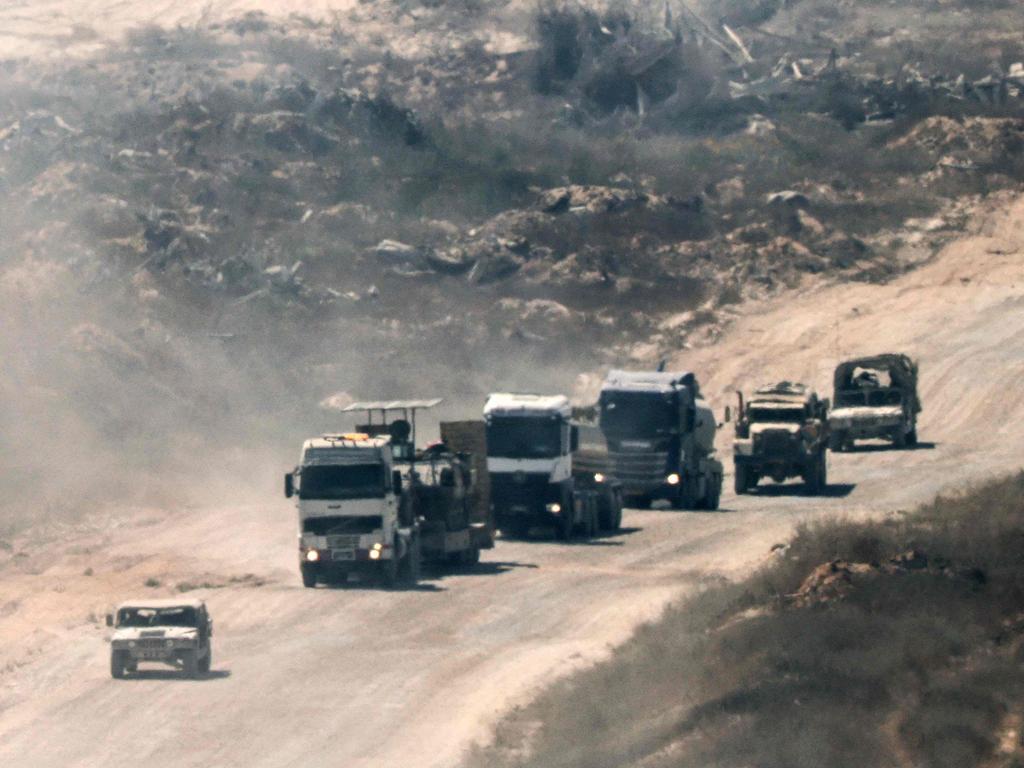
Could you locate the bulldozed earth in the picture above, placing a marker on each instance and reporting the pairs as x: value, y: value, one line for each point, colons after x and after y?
x: 217, y: 217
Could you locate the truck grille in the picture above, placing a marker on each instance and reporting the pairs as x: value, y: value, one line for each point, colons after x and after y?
x: 150, y: 643
x: 342, y: 541
x: 519, y: 489
x: 639, y: 471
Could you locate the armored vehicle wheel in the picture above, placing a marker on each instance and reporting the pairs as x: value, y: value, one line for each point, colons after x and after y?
x: 838, y: 442
x: 190, y: 663
x: 899, y: 437
x: 206, y: 661
x: 389, y: 570
x: 741, y: 480
x: 816, y: 475
x: 612, y: 519
x: 470, y: 557
x: 912, y: 436
x: 566, y: 526
x: 118, y: 663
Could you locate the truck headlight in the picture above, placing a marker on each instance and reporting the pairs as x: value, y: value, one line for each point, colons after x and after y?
x: 553, y: 508
x: 169, y: 643
x: 378, y: 546
x: 598, y: 477
x: 375, y: 554
x: 312, y: 556
x: 672, y: 479
x: 131, y: 643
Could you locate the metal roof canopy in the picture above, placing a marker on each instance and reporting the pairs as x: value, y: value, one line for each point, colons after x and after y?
x: 407, y: 407
x: 391, y: 405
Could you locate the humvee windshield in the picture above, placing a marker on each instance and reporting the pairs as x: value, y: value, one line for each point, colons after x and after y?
x: 185, y: 616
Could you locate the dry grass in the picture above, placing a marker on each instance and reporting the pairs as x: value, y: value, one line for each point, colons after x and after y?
x: 918, y: 664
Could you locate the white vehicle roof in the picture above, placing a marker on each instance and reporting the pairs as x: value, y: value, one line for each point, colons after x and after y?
x: 346, y: 440
x: 513, y: 404
x: 646, y: 381
x: 161, y: 604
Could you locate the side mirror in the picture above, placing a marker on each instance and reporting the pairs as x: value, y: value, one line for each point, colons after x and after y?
x: 574, y: 439
x: 448, y: 477
x: 396, y: 480
x: 110, y: 620
x: 289, y: 485
x: 728, y: 415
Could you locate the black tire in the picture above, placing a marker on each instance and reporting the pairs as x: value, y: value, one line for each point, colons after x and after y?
x: 616, y: 522
x: 714, y: 497
x: 912, y: 437
x: 741, y: 480
x: 411, y: 566
x: 837, y: 442
x: 206, y: 661
x: 899, y: 437
x: 308, y: 576
x: 190, y: 664
x: 815, y: 476
x: 118, y: 663
x: 470, y: 557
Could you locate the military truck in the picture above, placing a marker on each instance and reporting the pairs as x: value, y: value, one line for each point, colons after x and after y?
x: 174, y: 633
x: 661, y: 438
x: 372, y: 505
x: 875, y: 397
x: 781, y: 432
x: 532, y: 447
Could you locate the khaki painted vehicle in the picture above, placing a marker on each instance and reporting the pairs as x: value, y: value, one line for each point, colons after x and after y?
x: 875, y: 397
x: 174, y: 633
x: 781, y: 432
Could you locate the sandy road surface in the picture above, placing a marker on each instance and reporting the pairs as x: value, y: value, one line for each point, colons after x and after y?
x: 362, y: 677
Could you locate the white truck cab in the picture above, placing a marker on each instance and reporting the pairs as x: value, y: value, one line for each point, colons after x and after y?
x: 348, y: 500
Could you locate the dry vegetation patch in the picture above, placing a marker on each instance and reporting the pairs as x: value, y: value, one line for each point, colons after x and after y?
x: 888, y: 643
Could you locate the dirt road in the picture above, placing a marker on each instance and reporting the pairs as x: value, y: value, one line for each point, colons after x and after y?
x: 360, y: 677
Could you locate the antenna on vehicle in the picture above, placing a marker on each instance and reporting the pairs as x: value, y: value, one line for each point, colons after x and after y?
x: 661, y: 365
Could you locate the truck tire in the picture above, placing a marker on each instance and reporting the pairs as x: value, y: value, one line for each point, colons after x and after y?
x: 206, y: 661
x: 308, y: 576
x: 912, y: 437
x: 899, y: 437
x: 190, y: 663
x: 118, y: 663
x: 611, y: 511
x: 714, y: 495
x: 741, y: 479
x: 389, y: 569
x: 470, y: 557
x: 411, y: 565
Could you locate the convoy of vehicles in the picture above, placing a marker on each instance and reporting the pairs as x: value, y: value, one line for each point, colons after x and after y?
x: 531, y: 461
x: 781, y: 432
x: 875, y: 397
x: 371, y: 503
x: 661, y: 438
x: 174, y: 633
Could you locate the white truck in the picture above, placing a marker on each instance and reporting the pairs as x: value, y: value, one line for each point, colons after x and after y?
x: 175, y: 633
x: 531, y: 449
x: 373, y: 506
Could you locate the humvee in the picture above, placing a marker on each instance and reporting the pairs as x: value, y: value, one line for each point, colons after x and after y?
x: 172, y: 632
x: 875, y: 397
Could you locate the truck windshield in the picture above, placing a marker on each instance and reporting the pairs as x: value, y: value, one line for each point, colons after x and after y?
x: 767, y: 415
x: 152, y: 617
x: 354, y: 481
x: 638, y: 414
x: 524, y: 438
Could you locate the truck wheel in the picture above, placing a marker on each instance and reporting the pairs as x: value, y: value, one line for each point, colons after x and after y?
x: 118, y: 662
x: 714, y: 496
x: 741, y: 480
x: 566, y: 525
x: 912, y: 437
x: 470, y: 557
x: 899, y: 437
x: 190, y: 664
x: 616, y: 501
x: 389, y: 572
x: 206, y: 661
x: 308, y: 576
x: 412, y: 564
